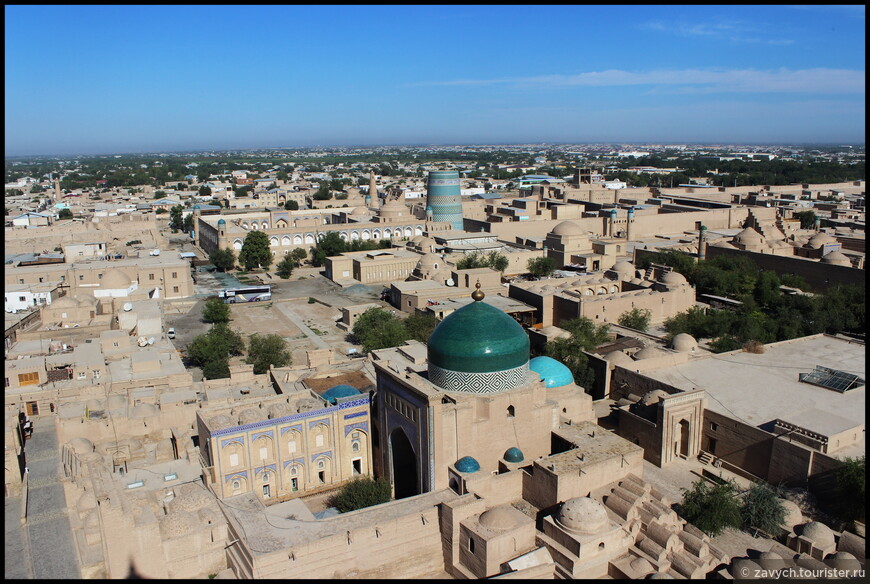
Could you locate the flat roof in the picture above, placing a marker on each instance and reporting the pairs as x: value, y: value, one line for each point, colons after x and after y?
x: 759, y: 388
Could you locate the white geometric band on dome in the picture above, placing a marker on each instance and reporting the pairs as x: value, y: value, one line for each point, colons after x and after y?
x: 491, y: 382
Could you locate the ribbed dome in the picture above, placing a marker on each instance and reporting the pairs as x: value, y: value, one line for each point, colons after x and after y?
x: 478, y: 338
x: 818, y: 533
x: 836, y: 258
x: 498, y: 519
x: 684, y: 343
x: 582, y: 515
x: 552, y: 372
x: 115, y: 279
x: 568, y: 228
x: 333, y: 393
x: 513, y: 454
x: 467, y: 464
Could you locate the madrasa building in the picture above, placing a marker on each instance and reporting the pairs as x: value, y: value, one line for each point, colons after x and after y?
x: 471, y: 399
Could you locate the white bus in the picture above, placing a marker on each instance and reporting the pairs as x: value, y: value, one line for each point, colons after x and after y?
x: 246, y: 294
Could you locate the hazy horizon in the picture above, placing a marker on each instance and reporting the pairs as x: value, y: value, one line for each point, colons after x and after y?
x: 92, y: 80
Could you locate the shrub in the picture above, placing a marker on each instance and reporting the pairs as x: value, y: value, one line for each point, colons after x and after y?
x: 753, y: 347
x: 712, y: 508
x: 762, y: 509
x: 361, y: 493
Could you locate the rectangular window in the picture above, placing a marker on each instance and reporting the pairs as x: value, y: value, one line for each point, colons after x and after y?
x: 234, y: 460
x: 714, y: 426
x: 174, y: 275
x: 291, y: 446
x: 264, y: 453
x: 318, y: 441
x: 20, y: 280
x: 83, y: 374
x: 294, y: 484
x: 357, y: 466
x: 81, y: 278
x: 175, y: 288
x: 22, y: 299
x: 150, y: 276
x: 99, y: 276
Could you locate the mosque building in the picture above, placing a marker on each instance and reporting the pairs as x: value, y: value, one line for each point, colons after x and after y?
x: 472, y: 399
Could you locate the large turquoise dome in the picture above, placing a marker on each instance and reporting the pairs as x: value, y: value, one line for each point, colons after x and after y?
x: 552, y: 372
x: 478, y: 349
x: 478, y: 338
x: 335, y: 392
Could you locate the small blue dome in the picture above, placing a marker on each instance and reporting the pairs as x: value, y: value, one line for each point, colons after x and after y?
x: 467, y: 464
x: 221, y: 222
x: 333, y: 393
x: 513, y: 454
x: 552, y: 372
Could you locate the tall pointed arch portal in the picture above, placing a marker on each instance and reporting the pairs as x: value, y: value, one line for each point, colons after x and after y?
x: 403, y: 464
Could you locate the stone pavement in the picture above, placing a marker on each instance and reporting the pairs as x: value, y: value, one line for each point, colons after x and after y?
x: 45, y: 543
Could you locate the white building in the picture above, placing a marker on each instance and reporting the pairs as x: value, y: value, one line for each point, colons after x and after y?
x: 21, y: 297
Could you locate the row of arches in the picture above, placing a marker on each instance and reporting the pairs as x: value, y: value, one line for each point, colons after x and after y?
x: 299, y: 239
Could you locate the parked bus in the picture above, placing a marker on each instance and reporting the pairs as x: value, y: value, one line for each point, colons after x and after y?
x: 246, y: 294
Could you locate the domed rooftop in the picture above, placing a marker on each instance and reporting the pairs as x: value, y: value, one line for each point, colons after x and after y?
x: 618, y: 358
x: 582, y: 515
x: 333, y: 393
x: 793, y: 515
x: 467, y: 464
x: 359, y: 211
x: 653, y: 397
x: 552, y: 372
x: 624, y: 269
x: 513, y: 454
x: 250, y: 416
x: 221, y: 422
x: 837, y: 259
x: 649, y: 352
x: 176, y: 525
x: 820, y: 239
x: 65, y: 302
x: 117, y: 402
x: 115, y: 279
x: 279, y: 410
x: 478, y: 338
x: 221, y: 222
x: 307, y: 404
x: 81, y: 445
x: 818, y: 533
x: 684, y: 343
x: 660, y: 576
x: 748, y: 236
x: 429, y: 261
x: 86, y: 300
x: 568, y: 228
x: 498, y: 518
x: 843, y: 561
x: 641, y: 566
x: 672, y: 278
x: 87, y: 501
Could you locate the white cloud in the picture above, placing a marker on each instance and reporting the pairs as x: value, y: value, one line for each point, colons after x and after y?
x: 816, y: 81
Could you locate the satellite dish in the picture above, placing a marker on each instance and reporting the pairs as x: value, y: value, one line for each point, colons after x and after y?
x: 128, y: 307
x: 151, y: 341
x: 450, y: 282
x: 142, y: 341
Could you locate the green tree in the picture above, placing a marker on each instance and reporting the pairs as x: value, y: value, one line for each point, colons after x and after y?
x: 330, y: 244
x: 65, y: 214
x: 542, y: 266
x: 299, y: 254
x: 361, y: 493
x: 322, y: 193
x: 420, y: 325
x: 851, y: 477
x: 291, y: 205
x: 211, y: 351
x: 175, y: 220
x: 267, y: 350
x: 378, y: 329
x: 285, y: 267
x: 188, y: 226
x: 636, y: 318
x: 204, y: 191
x: 711, y: 508
x: 159, y: 194
x: 255, y: 251
x: 223, y: 259
x: 585, y: 335
x: 215, y: 310
x: 807, y: 218
x: 762, y: 510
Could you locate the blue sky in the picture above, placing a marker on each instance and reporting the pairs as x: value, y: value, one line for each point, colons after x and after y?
x: 107, y: 79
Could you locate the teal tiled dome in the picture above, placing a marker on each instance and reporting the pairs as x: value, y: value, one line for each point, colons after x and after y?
x: 221, y: 222
x: 513, y: 454
x: 478, y: 338
x: 333, y: 393
x: 552, y: 372
x: 467, y: 464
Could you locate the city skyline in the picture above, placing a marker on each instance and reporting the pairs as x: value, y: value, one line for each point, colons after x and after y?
x: 167, y: 78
